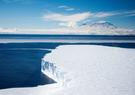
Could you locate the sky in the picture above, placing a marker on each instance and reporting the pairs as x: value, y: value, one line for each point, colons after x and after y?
x: 65, y: 13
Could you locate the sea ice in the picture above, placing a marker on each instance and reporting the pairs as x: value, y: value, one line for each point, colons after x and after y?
x: 86, y: 70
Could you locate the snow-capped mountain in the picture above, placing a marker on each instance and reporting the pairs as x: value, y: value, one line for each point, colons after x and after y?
x: 104, y: 25
x: 105, y: 28
x: 101, y: 24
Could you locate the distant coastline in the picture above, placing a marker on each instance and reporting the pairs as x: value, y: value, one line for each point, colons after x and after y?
x: 15, y: 38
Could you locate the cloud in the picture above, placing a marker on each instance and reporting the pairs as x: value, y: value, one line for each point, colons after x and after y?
x: 67, y: 8
x: 104, y: 14
x: 72, y: 20
x: 7, y: 30
x: 114, y: 13
x: 67, y: 20
x: 129, y: 13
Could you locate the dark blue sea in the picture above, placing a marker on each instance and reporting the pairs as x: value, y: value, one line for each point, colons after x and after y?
x: 20, y: 55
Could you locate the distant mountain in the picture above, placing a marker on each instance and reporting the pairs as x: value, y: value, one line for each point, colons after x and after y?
x: 105, y: 28
x: 104, y: 25
x: 101, y: 24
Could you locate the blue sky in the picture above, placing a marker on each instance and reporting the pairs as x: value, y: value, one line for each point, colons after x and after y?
x: 57, y: 13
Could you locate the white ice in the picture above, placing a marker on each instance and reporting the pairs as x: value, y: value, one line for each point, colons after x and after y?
x: 88, y: 70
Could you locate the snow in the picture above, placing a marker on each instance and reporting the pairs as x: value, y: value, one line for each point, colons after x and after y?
x: 96, y: 70
x: 87, y: 70
x: 40, y: 90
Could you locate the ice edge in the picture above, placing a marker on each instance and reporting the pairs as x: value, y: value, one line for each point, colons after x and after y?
x: 52, y: 71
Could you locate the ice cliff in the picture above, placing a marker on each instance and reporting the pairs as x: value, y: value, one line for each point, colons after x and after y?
x: 52, y: 71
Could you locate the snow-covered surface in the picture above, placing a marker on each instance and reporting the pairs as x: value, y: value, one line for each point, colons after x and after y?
x: 88, y: 70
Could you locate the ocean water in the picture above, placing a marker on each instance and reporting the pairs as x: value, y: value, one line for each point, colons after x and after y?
x: 20, y: 62
x: 20, y: 65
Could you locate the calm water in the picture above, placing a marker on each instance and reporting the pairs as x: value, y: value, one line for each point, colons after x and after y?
x: 21, y: 67
x: 20, y: 63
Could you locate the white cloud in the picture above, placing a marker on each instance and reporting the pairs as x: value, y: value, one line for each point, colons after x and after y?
x: 72, y: 20
x: 101, y: 21
x: 7, y: 30
x: 68, y: 20
x: 104, y: 14
x: 114, y: 13
x: 67, y: 8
